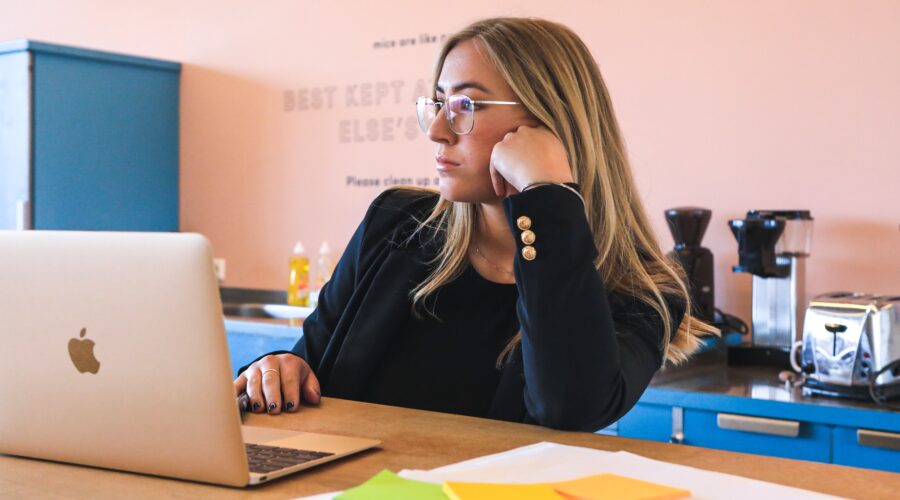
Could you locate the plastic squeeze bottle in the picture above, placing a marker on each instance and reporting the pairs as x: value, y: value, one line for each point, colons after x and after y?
x: 325, y: 266
x: 298, y: 284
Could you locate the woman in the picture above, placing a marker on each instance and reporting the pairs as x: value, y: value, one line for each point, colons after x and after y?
x: 531, y: 288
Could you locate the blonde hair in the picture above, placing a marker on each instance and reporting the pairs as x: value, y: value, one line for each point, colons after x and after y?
x: 557, y: 80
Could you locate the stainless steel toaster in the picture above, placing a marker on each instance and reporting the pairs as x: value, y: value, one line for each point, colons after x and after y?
x: 847, y: 338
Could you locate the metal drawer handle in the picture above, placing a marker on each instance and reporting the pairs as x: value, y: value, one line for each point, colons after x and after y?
x: 677, y: 436
x: 774, y: 427
x: 878, y: 439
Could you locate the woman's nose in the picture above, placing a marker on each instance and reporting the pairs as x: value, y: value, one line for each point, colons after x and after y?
x: 439, y: 130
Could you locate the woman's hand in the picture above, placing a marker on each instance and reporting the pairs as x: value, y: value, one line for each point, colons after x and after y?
x: 276, y: 382
x: 526, y: 155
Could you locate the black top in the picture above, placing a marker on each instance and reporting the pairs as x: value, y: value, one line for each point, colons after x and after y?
x: 586, y: 354
x: 451, y: 358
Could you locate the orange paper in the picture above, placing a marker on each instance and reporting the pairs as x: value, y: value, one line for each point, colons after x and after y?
x: 613, y: 486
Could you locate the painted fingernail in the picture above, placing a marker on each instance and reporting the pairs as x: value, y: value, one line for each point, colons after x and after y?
x: 272, y: 406
x: 256, y: 406
x: 289, y: 405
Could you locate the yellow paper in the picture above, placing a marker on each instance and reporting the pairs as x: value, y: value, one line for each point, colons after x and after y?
x: 596, y: 487
x: 491, y: 491
x: 613, y: 486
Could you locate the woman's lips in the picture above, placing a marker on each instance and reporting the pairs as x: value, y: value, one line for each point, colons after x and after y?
x: 444, y: 164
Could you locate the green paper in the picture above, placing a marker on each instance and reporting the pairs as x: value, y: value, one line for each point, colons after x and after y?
x: 389, y: 486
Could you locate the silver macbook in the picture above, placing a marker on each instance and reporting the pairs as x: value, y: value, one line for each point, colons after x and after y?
x: 114, y: 355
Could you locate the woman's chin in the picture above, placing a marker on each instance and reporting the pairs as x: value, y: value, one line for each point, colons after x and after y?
x: 448, y: 192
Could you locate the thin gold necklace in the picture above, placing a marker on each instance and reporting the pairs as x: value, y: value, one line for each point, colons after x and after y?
x: 495, y: 266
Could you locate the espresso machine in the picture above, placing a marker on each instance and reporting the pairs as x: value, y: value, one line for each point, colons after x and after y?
x: 773, y: 246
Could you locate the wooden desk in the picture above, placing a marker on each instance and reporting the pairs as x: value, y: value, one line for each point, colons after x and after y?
x: 421, y: 440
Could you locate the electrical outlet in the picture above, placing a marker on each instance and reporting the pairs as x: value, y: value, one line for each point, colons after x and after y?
x: 219, y: 268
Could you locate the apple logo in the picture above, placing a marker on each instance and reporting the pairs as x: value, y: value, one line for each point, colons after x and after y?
x: 82, y: 354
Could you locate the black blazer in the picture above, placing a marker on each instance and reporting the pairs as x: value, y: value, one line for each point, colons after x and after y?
x: 586, y: 355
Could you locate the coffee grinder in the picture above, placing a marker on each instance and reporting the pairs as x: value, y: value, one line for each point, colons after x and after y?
x: 688, y: 225
x: 773, y: 246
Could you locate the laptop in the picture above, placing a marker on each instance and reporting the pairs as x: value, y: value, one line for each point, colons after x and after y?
x: 114, y: 355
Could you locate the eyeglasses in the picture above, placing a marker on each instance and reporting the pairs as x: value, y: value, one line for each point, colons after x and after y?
x: 459, y: 111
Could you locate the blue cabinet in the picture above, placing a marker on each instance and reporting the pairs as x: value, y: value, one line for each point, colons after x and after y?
x: 872, y: 449
x: 749, y: 409
x: 88, y: 139
x: 247, y: 340
x: 829, y: 431
x: 647, y: 421
x: 760, y: 435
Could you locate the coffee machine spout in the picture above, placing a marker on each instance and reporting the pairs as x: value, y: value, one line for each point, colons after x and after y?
x: 756, y: 247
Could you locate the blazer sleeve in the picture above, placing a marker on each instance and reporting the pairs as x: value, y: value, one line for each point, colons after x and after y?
x: 335, y: 295
x: 584, y: 367
x: 319, y: 325
x: 389, y: 212
x: 333, y: 298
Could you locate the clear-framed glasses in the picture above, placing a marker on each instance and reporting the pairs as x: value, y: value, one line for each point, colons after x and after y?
x: 458, y: 109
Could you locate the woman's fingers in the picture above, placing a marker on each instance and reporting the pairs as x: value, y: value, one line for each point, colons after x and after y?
x: 254, y: 388
x: 526, y: 155
x: 271, y: 383
x: 312, y: 393
x: 275, y: 384
x: 240, y: 384
x: 291, y: 375
x: 263, y: 385
x: 497, y: 181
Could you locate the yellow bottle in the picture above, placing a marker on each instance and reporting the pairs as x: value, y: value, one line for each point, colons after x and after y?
x: 298, y: 285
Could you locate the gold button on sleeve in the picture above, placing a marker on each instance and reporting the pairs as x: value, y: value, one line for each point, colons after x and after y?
x: 523, y: 223
x: 529, y: 253
x: 527, y: 237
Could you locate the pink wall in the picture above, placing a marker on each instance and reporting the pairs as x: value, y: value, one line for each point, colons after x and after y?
x: 727, y: 105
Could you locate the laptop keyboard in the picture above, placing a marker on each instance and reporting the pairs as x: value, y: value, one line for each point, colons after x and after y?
x: 264, y: 459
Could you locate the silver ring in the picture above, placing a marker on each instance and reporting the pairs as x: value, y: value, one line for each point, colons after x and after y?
x: 267, y: 370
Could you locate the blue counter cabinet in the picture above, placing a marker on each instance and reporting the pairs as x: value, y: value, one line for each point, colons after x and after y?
x: 748, y: 410
x: 869, y: 448
x: 247, y: 340
x: 810, y: 441
x: 647, y: 421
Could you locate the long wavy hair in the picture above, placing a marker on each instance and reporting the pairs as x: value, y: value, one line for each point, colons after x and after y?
x: 554, y: 76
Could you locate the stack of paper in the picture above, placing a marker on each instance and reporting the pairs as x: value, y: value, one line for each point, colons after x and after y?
x: 552, y: 462
x: 550, y: 470
x: 387, y: 485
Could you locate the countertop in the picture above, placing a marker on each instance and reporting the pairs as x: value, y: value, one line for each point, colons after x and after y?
x: 708, y: 377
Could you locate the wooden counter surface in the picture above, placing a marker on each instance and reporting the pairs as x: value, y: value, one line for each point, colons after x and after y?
x: 413, y: 439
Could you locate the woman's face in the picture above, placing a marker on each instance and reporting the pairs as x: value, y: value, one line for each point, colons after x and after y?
x: 463, y: 160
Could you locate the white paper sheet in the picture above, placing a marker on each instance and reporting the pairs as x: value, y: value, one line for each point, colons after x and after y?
x: 322, y: 496
x: 547, y: 462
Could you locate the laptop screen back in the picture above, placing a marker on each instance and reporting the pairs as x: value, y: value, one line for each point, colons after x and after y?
x: 114, y: 354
